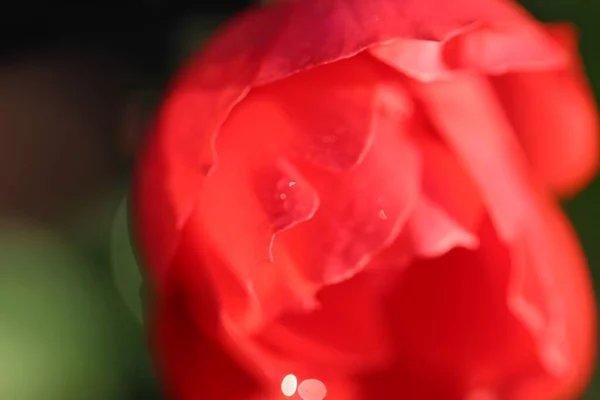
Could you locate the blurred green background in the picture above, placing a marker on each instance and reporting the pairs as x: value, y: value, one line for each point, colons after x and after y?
x: 75, y: 96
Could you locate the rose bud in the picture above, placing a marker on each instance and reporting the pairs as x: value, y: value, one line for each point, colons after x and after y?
x: 358, y: 198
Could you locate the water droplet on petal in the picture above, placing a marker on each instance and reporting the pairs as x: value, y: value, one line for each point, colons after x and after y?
x: 288, y: 385
x: 312, y: 389
x: 285, y: 197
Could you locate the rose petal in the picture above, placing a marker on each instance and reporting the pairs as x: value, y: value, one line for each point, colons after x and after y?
x: 263, y: 46
x: 329, y: 114
x: 253, y: 194
x: 450, y: 320
x: 447, y: 183
x: 195, y: 365
x: 497, y: 166
x: 556, y: 119
x: 419, y: 59
x: 408, y: 381
x: 269, y: 286
x: 494, y: 49
x: 475, y: 128
x: 433, y: 233
x: 180, y: 151
x: 185, y: 331
x: 553, y: 296
x: 449, y: 210
x: 499, y: 47
x: 370, y: 105
x: 333, y: 339
x: 352, y: 26
x: 253, y: 166
x: 361, y: 211
x: 487, y: 147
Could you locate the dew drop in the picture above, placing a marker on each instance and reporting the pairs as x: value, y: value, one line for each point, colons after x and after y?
x: 288, y: 385
x: 285, y: 198
x: 312, y: 389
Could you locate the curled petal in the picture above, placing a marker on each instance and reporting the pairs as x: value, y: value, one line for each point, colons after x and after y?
x: 277, y: 172
x: 449, y: 210
x: 460, y: 331
x: 433, y: 233
x: 500, y: 47
x: 194, y: 357
x: 361, y: 212
x: 409, y: 381
x: 551, y: 294
x: 447, y: 183
x: 489, y: 48
x: 193, y: 363
x: 268, y: 285
x: 555, y: 117
x: 334, y: 130
x: 417, y: 58
x: 333, y: 340
x: 263, y: 46
x: 479, y: 34
x: 180, y: 149
x: 475, y: 127
x: 253, y: 194
x: 524, y: 221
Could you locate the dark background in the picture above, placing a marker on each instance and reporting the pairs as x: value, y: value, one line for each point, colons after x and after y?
x: 77, y: 84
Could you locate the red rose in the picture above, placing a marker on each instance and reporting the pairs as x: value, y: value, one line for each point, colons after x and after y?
x: 362, y: 192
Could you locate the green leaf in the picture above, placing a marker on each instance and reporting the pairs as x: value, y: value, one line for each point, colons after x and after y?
x: 55, y: 340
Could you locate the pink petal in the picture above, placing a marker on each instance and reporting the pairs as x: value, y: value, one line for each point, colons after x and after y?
x: 408, y: 381
x: 194, y: 359
x: 451, y: 323
x: 490, y: 49
x: 475, y: 128
x: 180, y: 150
x: 552, y: 295
x: 500, y: 47
x: 194, y: 365
x: 433, y: 232
x: 333, y: 340
x: 253, y: 194
x: 241, y: 237
x: 262, y: 46
x: 361, y: 211
x: 556, y: 119
x: 420, y: 59
x: 449, y: 210
x: 279, y: 193
x: 334, y: 29
x: 448, y: 183
x: 329, y: 115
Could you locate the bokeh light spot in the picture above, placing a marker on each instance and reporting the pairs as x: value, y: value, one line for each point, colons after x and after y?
x: 312, y: 389
x: 288, y: 385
